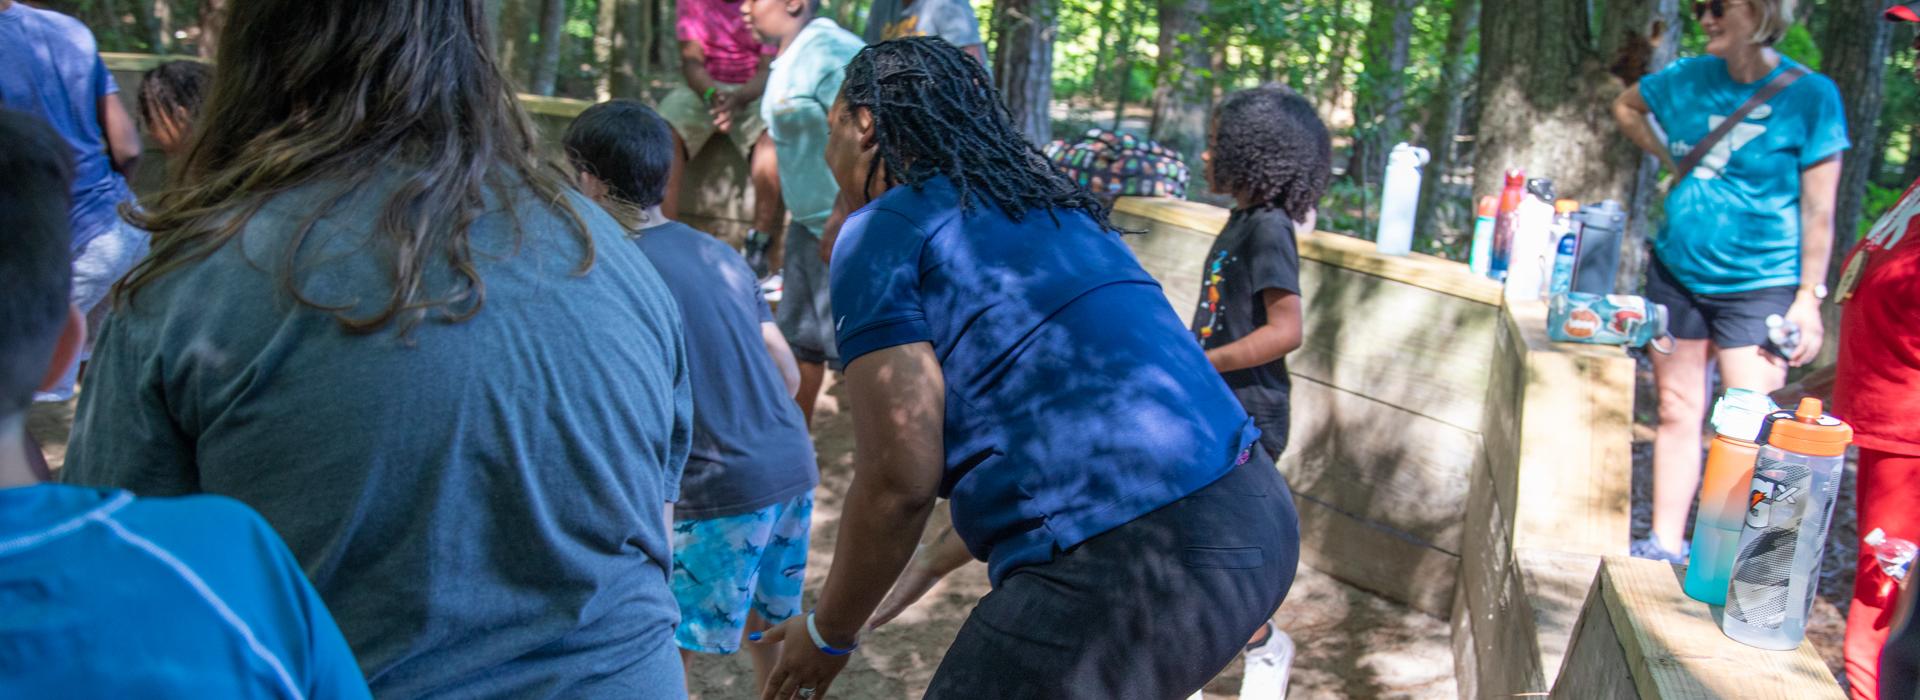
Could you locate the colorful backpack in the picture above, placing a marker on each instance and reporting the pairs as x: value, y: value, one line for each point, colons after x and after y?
x: 1120, y: 165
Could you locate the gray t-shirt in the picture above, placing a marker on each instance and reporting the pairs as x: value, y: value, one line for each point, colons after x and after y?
x: 481, y: 503
x: 751, y: 448
x: 952, y: 20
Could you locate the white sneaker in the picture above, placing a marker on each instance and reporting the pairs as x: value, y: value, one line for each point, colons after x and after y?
x: 1267, y: 668
x: 772, y: 286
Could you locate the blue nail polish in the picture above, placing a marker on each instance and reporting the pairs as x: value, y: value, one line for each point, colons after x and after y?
x: 753, y: 637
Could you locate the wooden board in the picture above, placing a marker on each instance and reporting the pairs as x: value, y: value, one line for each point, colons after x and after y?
x: 1425, y: 271
x: 1376, y: 559
x: 1558, y: 434
x: 1673, y: 647
x: 1415, y: 348
x: 1596, y: 665
x: 1172, y: 253
x: 1380, y: 463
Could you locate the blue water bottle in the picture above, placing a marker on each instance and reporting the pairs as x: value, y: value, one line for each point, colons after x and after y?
x: 1566, y: 237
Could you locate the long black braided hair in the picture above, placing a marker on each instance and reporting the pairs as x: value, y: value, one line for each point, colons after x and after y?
x: 935, y: 112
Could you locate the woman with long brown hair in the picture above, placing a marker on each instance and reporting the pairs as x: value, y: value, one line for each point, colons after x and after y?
x: 376, y: 316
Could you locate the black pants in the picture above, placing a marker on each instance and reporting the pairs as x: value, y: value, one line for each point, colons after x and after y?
x: 1152, y: 609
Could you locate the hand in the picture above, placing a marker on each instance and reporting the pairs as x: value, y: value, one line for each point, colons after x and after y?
x: 722, y: 110
x: 801, y: 664
x: 912, y: 586
x: 1805, y: 313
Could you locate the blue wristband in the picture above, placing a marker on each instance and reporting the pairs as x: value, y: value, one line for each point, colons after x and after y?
x: 825, y: 648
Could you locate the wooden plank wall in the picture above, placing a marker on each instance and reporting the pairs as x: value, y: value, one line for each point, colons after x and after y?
x: 717, y: 200
x: 1641, y: 636
x: 1389, y: 389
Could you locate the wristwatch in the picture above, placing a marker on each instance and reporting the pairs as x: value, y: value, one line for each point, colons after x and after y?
x: 1820, y: 291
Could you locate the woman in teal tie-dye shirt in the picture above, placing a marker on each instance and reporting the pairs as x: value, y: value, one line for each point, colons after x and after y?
x: 1748, y: 232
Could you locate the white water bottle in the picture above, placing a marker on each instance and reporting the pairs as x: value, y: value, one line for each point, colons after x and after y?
x: 1399, y: 199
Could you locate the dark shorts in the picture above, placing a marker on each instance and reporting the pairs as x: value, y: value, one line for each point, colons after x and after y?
x: 1152, y: 609
x: 1734, y: 320
x: 1271, y: 412
x: 805, y: 315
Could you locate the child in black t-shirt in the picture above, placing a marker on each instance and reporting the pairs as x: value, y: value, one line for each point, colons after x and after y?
x: 1268, y: 149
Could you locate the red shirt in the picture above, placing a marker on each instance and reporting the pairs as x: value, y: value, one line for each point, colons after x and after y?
x: 733, y: 54
x: 1877, y: 387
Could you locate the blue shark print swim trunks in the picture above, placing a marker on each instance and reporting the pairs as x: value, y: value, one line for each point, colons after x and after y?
x: 724, y: 567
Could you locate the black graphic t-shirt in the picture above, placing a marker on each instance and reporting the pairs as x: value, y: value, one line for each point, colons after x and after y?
x: 1254, y: 253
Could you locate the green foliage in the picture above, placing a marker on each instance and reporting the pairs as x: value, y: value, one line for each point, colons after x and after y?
x: 1798, y: 45
x: 1878, y: 200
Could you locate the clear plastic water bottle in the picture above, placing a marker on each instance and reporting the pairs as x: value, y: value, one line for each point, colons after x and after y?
x: 1566, y: 244
x: 1399, y: 199
x: 1777, y: 566
x: 1894, y: 555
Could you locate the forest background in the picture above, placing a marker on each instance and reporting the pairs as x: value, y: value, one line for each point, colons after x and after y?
x: 1485, y: 85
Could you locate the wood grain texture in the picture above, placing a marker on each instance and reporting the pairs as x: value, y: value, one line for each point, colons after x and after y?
x: 1596, y: 664
x: 1375, y: 558
x: 1424, y: 271
x: 1379, y: 463
x: 1675, y: 648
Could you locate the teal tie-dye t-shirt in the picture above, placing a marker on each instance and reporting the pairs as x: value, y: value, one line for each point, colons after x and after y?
x: 1734, y: 225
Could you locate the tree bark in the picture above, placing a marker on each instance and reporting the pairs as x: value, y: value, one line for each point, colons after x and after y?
x: 1854, y: 54
x: 605, y: 26
x: 1181, y: 98
x: 1910, y: 172
x: 1335, y: 82
x: 1443, y: 124
x: 1661, y: 27
x: 1023, y: 64
x: 1544, y: 97
x: 632, y: 47
x: 213, y: 14
x: 1123, y: 76
x: 546, y: 65
x: 516, y: 18
x: 1381, y: 115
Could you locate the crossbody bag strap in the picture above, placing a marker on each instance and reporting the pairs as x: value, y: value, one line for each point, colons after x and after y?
x: 1772, y: 88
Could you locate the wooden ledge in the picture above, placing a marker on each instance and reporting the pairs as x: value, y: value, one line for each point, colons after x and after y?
x: 1641, y: 635
x: 1425, y: 271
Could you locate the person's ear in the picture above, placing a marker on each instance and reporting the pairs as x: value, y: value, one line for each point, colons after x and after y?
x: 863, y: 122
x: 594, y: 188
x: 73, y: 336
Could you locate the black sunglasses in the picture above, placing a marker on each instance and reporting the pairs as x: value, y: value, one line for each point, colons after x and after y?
x: 1717, y: 7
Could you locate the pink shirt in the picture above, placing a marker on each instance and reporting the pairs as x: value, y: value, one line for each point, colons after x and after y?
x: 733, y: 53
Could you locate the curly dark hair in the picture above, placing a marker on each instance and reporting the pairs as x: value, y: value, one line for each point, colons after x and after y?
x: 935, y: 112
x: 1270, y: 148
x: 174, y: 86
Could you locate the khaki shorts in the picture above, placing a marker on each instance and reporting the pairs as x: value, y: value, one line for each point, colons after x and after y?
x: 688, y: 115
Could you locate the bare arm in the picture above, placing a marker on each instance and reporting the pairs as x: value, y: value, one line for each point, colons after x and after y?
x: 693, y: 66
x: 123, y: 137
x: 977, y: 51
x: 897, y: 396
x: 782, y: 355
x: 1630, y: 109
x: 1819, y: 187
x: 1280, y: 335
x: 931, y: 562
x: 756, y: 86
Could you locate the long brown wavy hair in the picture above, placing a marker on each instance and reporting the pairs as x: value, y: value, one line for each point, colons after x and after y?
x: 336, y: 91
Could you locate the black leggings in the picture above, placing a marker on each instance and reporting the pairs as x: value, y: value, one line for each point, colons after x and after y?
x: 1152, y: 609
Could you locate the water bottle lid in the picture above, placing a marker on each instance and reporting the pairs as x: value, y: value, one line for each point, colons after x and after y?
x: 1811, y: 432
x: 1516, y: 178
x: 1489, y: 207
x: 1740, y: 413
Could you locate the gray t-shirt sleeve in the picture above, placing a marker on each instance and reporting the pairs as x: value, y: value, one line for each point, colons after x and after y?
x: 680, y: 443
x: 952, y: 20
x: 124, y: 435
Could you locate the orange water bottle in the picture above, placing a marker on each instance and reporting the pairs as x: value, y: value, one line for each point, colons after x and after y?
x: 1737, y: 418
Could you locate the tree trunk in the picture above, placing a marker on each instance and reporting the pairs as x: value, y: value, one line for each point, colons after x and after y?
x: 1023, y: 64
x: 1103, y: 54
x: 632, y: 47
x: 1544, y: 96
x: 1180, y: 100
x: 1380, y: 119
x: 606, y: 26
x: 153, y: 33
x: 1123, y: 76
x: 1659, y: 25
x: 516, y: 19
x: 1335, y: 83
x: 1443, y: 124
x: 546, y: 64
x: 213, y: 13
x: 1854, y: 54
x: 1910, y: 172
